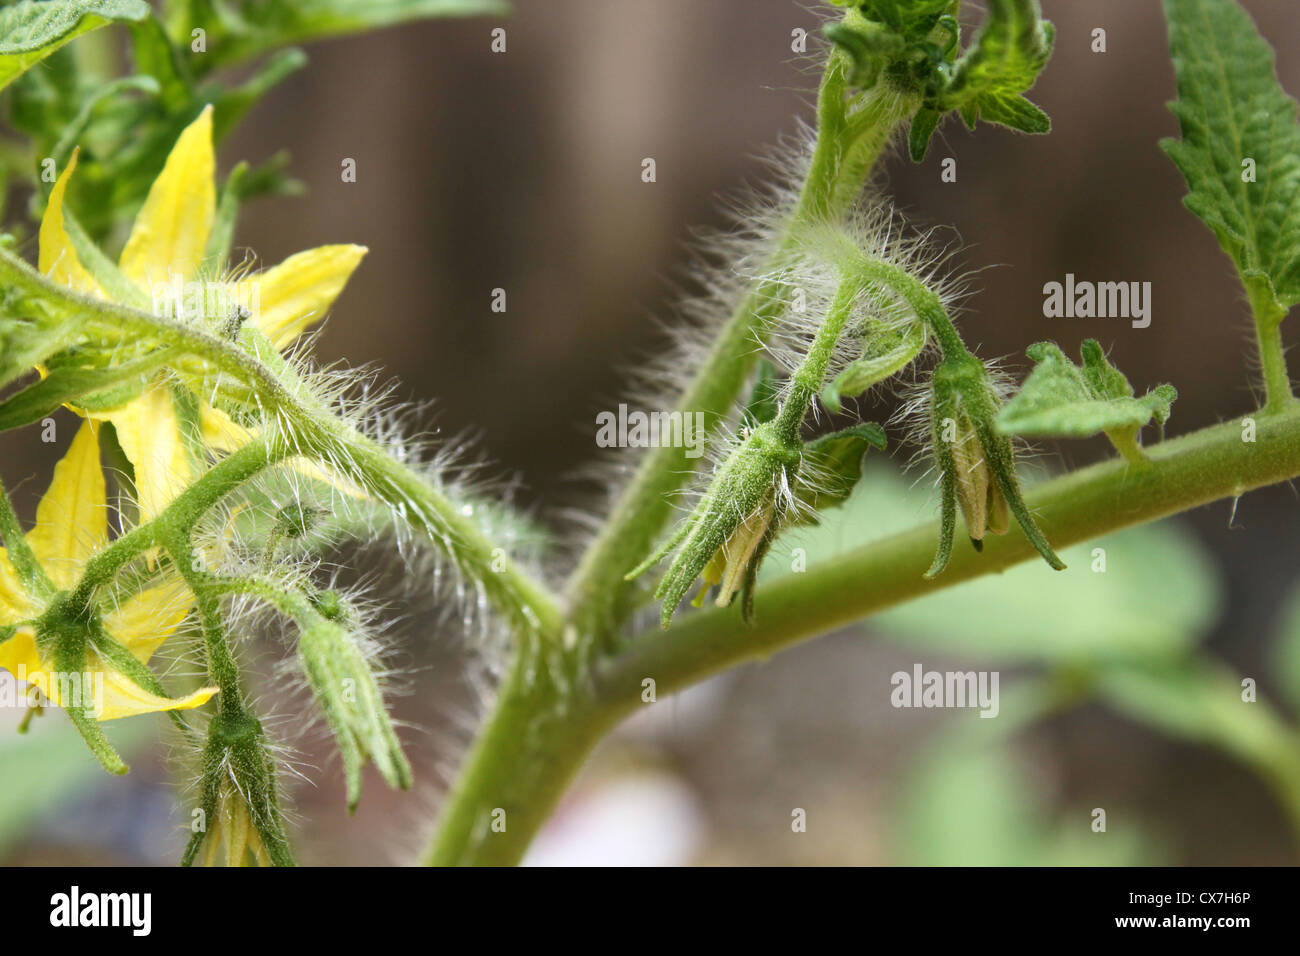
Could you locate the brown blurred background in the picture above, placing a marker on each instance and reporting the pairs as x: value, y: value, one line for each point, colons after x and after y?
x: 521, y: 171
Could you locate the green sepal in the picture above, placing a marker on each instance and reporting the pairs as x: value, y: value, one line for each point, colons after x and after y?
x: 94, y: 389
x: 64, y: 636
x: 831, y: 469
x: 763, y: 402
x: 885, y: 353
x: 737, y: 492
x: 963, y: 401
x: 236, y: 763
x: 222, y: 236
x: 924, y: 123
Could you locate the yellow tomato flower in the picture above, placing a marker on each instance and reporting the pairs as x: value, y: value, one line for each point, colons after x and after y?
x: 71, y: 525
x: 164, y: 252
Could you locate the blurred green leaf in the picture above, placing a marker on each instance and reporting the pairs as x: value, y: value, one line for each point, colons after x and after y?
x: 968, y: 801
x: 31, y: 31
x: 1202, y: 702
x: 1288, y: 652
x: 51, y: 762
x: 252, y: 27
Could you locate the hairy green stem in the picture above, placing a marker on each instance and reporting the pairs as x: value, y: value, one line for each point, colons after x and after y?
x: 20, y: 553
x: 536, y: 739
x: 1278, y: 393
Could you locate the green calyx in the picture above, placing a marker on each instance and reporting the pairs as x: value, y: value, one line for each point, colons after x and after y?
x: 239, y: 806
x: 729, y: 531
x: 976, y: 462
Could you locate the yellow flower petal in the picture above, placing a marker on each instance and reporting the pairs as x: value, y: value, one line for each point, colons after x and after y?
x: 171, y: 231
x: 15, y: 603
x: 220, y: 433
x: 72, y: 518
x: 58, y: 260
x: 150, y: 435
x: 122, y: 697
x: 150, y: 617
x: 108, y: 693
x: 18, y: 655
x: 299, y: 291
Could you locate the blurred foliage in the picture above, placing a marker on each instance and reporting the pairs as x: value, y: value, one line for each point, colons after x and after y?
x: 1122, y: 625
x: 48, y: 762
x: 229, y: 55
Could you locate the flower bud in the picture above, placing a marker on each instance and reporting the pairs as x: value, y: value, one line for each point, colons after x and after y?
x: 976, y: 463
x: 728, y: 534
x: 239, y: 816
x: 348, y: 691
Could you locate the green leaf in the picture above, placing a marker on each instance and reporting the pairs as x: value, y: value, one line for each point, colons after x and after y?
x: 252, y: 27
x: 968, y: 800
x: 886, y: 352
x: 31, y: 31
x: 924, y: 123
x: 1288, y: 652
x: 1004, y: 59
x: 1231, y: 109
x: 915, y: 43
x: 832, y: 466
x: 1061, y: 400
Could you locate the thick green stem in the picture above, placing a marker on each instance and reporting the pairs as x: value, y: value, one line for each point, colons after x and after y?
x: 1277, y: 383
x: 531, y: 745
x: 540, y: 732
